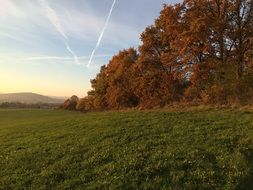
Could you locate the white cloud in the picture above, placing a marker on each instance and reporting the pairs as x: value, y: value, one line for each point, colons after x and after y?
x: 24, y: 21
x: 38, y: 59
x: 9, y: 8
x: 34, y: 58
x: 52, y: 16
x: 10, y: 36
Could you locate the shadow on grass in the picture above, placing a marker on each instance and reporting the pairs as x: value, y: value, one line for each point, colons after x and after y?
x: 246, y: 183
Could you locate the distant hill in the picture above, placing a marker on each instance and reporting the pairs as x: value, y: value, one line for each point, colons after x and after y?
x: 29, y: 98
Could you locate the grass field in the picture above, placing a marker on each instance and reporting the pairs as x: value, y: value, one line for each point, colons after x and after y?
x: 54, y: 149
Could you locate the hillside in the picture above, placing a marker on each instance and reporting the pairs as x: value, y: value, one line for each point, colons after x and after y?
x: 55, y: 149
x: 30, y: 98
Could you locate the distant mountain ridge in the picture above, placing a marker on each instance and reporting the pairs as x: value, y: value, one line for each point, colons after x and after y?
x: 29, y: 98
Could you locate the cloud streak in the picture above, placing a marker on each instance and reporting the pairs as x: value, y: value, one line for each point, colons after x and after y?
x: 53, y: 18
x: 34, y: 58
x: 102, y: 33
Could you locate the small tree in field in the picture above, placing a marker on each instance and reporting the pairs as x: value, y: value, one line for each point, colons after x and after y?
x: 70, y: 104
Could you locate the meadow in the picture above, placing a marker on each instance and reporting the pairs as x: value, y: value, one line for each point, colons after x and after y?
x: 159, y: 149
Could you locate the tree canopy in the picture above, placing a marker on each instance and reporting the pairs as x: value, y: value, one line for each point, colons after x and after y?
x: 196, y: 51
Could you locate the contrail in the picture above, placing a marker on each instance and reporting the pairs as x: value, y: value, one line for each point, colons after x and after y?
x: 101, y: 34
x: 45, y: 57
x: 53, y: 18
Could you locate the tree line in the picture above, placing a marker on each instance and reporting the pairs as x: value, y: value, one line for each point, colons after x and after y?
x: 29, y: 105
x: 197, y: 51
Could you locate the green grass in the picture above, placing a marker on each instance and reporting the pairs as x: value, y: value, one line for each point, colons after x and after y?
x: 198, y: 149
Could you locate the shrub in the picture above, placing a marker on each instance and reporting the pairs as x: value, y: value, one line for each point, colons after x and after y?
x: 70, y: 104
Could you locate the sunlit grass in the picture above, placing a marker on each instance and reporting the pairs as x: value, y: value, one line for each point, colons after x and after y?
x: 198, y: 149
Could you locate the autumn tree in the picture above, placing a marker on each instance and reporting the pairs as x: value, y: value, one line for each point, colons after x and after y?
x: 99, y: 88
x: 86, y: 104
x: 216, y: 40
x: 70, y: 104
x: 196, y: 50
x: 242, y: 31
x: 155, y: 84
x: 120, y: 92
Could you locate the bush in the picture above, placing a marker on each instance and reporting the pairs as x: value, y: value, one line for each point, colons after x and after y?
x: 86, y: 104
x: 70, y: 104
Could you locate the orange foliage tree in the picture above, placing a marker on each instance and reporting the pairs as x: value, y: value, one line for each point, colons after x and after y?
x: 196, y: 50
x: 120, y: 92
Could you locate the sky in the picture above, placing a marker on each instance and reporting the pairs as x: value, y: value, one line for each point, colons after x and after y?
x: 46, y: 45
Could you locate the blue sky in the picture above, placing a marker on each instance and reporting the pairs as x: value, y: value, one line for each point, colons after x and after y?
x: 45, y: 45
